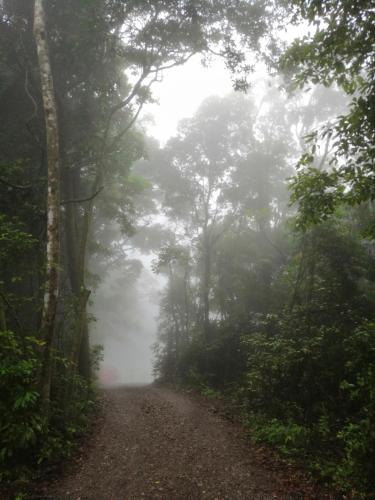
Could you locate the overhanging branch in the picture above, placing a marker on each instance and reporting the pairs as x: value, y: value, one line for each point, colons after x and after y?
x: 82, y: 200
x: 15, y: 186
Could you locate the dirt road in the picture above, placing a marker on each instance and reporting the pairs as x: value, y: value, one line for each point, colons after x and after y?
x: 159, y: 444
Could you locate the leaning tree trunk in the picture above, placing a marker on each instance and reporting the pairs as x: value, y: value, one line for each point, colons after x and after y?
x: 53, y: 201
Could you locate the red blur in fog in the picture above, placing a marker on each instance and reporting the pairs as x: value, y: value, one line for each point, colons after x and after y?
x: 108, y: 376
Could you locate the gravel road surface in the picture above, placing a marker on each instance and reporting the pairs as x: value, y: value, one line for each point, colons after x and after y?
x: 157, y: 443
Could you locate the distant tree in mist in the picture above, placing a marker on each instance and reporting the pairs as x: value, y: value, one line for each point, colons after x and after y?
x: 222, y: 174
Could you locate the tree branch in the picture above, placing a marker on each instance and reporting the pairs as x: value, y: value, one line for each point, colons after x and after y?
x: 121, y: 134
x: 132, y: 94
x: 174, y: 64
x: 29, y: 95
x: 273, y: 245
x: 15, y: 186
x: 133, y: 120
x: 82, y: 200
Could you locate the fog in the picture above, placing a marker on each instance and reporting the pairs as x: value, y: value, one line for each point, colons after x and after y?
x: 181, y: 91
x: 186, y: 206
x: 125, y: 312
x: 126, y: 303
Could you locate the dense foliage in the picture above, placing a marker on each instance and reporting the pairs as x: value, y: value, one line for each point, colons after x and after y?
x: 272, y: 308
x: 290, y: 328
x: 74, y: 77
x: 270, y: 293
x: 341, y: 51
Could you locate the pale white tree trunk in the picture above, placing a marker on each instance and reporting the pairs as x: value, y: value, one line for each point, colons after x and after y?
x: 53, y: 199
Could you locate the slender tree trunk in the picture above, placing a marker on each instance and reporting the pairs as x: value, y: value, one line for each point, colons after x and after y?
x: 176, y: 330
x: 310, y: 284
x: 80, y: 352
x: 206, y: 286
x: 3, y: 323
x: 84, y: 361
x: 186, y: 305
x: 53, y: 200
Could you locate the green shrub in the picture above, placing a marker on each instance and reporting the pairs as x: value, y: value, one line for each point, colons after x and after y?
x: 210, y: 393
x: 26, y: 439
x: 288, y: 437
x: 20, y: 421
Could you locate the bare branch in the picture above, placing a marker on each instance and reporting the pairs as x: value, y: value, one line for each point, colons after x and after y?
x: 173, y: 65
x: 15, y: 186
x: 132, y: 94
x: 82, y: 200
x: 215, y: 53
x: 273, y: 245
x: 134, y: 119
x: 33, y: 101
x: 128, y: 127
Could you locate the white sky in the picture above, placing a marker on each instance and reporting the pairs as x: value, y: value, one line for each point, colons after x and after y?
x: 181, y: 92
x: 183, y: 88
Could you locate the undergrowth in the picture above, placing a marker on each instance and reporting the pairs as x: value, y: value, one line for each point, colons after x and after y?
x: 28, y: 443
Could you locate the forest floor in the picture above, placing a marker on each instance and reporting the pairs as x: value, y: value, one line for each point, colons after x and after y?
x: 156, y: 443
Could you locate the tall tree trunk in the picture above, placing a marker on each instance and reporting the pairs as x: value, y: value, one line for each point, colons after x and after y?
x: 186, y: 306
x: 206, y: 285
x: 3, y: 323
x: 310, y: 284
x: 53, y: 200
x: 80, y: 351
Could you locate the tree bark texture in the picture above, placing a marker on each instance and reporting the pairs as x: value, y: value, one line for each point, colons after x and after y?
x: 53, y: 199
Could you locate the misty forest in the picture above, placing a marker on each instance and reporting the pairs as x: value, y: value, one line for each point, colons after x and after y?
x: 187, y: 313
